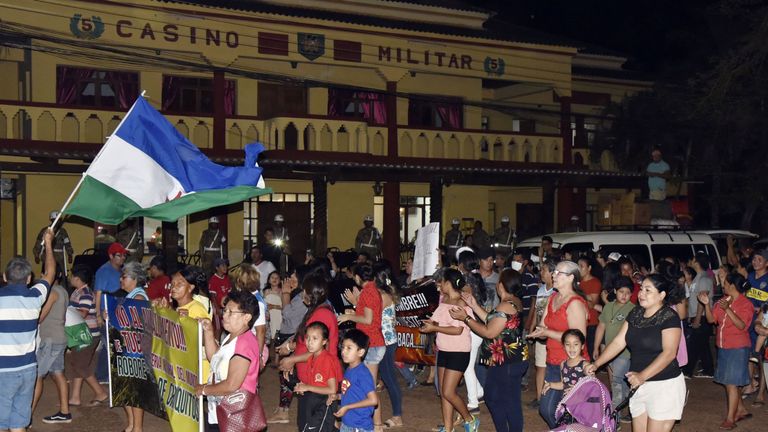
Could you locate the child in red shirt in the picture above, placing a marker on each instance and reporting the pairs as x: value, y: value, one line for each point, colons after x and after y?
x: 159, y: 282
x: 324, y: 375
x: 220, y: 284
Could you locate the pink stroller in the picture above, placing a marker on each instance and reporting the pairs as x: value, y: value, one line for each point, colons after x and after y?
x: 587, y: 408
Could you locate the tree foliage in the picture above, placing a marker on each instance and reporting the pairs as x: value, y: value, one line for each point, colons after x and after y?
x: 711, y: 124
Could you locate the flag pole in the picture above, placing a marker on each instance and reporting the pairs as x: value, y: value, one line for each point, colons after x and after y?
x: 82, y: 178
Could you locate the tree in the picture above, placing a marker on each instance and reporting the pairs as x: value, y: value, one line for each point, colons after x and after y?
x: 711, y: 124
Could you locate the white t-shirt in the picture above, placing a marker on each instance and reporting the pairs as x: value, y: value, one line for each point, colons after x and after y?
x: 265, y: 268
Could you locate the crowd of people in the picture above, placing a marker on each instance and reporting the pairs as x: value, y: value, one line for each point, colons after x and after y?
x: 505, y: 321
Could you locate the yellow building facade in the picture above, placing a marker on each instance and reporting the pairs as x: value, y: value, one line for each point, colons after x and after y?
x: 410, y: 111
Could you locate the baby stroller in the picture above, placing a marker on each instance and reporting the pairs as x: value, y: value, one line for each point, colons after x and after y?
x: 587, y: 408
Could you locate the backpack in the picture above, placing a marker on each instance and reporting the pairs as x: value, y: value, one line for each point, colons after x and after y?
x: 586, y: 407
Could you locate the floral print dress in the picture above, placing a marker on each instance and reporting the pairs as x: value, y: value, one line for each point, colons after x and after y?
x: 508, y: 346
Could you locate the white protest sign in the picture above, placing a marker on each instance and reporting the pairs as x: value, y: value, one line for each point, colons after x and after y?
x: 426, y: 258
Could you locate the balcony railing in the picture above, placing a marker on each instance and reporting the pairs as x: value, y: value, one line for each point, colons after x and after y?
x: 48, y: 122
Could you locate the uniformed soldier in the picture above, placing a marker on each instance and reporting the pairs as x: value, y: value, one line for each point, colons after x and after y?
x: 62, y: 247
x: 454, y: 238
x: 213, y: 244
x: 282, y: 241
x: 480, y: 238
x: 130, y: 237
x: 504, y: 237
x: 368, y: 239
x: 103, y: 240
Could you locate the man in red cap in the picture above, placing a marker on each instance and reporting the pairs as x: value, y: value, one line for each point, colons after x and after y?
x: 107, y: 281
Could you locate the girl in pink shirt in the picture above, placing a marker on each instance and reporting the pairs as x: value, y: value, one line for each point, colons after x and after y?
x: 453, y: 345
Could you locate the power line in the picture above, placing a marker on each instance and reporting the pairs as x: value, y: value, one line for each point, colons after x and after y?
x: 534, y: 77
x: 140, y: 58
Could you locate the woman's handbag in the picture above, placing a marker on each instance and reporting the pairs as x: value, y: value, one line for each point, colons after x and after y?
x: 241, y: 411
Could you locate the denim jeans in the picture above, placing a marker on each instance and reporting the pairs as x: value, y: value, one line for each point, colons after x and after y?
x: 16, y: 398
x: 619, y: 386
x: 389, y: 376
x: 102, y: 365
x: 408, y: 375
x: 550, y: 399
x: 503, y: 395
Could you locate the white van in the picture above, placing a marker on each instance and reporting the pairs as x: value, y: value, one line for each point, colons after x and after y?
x: 645, y: 248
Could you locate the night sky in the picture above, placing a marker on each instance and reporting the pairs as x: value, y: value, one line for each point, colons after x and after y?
x: 659, y: 36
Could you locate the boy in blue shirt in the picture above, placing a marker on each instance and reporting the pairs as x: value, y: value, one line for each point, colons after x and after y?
x: 358, y: 391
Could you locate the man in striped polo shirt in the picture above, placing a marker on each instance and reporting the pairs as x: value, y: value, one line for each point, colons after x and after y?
x: 19, y: 313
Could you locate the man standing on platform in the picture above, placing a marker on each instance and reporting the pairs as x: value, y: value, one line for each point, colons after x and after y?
x: 212, y: 245
x: 368, y: 239
x: 130, y: 237
x: 503, y: 238
x: 454, y: 239
x: 62, y: 247
x: 658, y: 172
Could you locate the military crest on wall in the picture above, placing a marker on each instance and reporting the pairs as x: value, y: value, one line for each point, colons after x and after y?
x: 86, y: 28
x: 494, y: 65
x: 311, y: 45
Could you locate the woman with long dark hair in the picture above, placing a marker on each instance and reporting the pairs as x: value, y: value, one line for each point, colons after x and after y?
x: 652, y: 334
x: 383, y: 280
x: 315, y: 292
x: 567, y: 309
x: 503, y: 350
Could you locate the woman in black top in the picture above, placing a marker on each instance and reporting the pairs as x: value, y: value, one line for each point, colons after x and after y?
x: 652, y: 334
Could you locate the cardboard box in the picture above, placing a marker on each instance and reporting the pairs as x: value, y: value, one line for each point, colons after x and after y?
x: 635, y: 214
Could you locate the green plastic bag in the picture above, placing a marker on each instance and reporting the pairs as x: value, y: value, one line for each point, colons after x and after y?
x: 77, y: 331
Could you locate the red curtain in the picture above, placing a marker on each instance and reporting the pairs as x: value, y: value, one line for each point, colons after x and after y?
x: 67, y: 79
x: 373, y: 105
x: 450, y: 114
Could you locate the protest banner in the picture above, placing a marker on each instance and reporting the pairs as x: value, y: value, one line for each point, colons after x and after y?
x: 154, y: 358
x: 426, y: 256
x: 417, y: 302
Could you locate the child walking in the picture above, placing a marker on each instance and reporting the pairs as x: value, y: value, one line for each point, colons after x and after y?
x: 324, y: 375
x: 454, y: 344
x: 358, y: 392
x: 571, y: 370
x: 611, y: 320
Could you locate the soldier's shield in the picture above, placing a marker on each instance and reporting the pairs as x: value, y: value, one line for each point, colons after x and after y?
x: 311, y: 45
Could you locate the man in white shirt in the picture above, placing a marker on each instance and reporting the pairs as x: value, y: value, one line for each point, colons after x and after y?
x: 265, y: 268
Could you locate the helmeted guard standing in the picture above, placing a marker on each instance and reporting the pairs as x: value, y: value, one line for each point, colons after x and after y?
x: 62, y: 246
x: 454, y: 238
x: 368, y: 239
x: 504, y: 237
x: 213, y: 244
x: 130, y: 237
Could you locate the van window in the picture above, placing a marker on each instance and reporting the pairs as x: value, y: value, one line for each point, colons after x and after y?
x: 714, y: 257
x: 639, y: 254
x: 578, y: 250
x: 683, y: 252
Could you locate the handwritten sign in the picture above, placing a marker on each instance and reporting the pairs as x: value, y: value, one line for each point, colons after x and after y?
x: 425, y: 258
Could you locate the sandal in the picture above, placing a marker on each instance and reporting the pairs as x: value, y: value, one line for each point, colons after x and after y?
x: 391, y: 423
x: 97, y: 402
x: 742, y: 417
